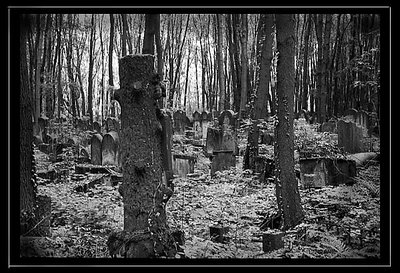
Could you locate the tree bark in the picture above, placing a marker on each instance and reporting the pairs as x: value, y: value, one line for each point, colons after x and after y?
x: 287, y: 192
x: 318, y: 21
x: 304, y: 103
x: 90, y: 76
x: 221, y: 78
x: 142, y: 188
x: 27, y: 186
x: 243, y: 92
x: 260, y: 105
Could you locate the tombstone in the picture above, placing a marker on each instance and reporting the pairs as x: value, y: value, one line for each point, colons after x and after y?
x: 205, y: 123
x: 96, y: 127
x: 227, y: 119
x: 183, y: 164
x: 198, y: 132
x: 40, y: 131
x: 179, y: 127
x: 219, y: 139
x: 166, y: 146
x: 112, y: 124
x: 222, y: 160
x: 320, y: 172
x: 349, y: 136
x: 352, y: 114
x: 213, y: 140
x: 110, y: 149
x: 329, y: 126
x: 95, y: 149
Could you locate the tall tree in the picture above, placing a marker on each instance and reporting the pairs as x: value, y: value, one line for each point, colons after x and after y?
x: 27, y: 187
x: 260, y: 105
x: 59, y: 53
x: 219, y: 55
x: 91, y: 61
x: 305, y: 63
x: 110, y: 67
x: 243, y: 40
x: 71, y: 81
x: 318, y: 22
x: 287, y: 193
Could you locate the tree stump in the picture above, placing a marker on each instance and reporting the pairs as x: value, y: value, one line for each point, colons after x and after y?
x: 146, y: 233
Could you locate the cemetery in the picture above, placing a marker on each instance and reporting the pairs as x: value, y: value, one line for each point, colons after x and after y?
x: 148, y: 161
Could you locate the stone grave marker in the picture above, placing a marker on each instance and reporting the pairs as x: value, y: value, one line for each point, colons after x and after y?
x: 320, y: 172
x: 183, y: 164
x: 166, y: 146
x: 205, y: 123
x: 251, y: 147
x: 110, y: 149
x: 349, y: 136
x: 112, y: 124
x: 198, y: 132
x: 96, y: 149
x: 351, y: 114
x: 96, y: 127
x: 329, y: 126
x: 222, y: 160
x: 178, y: 122
x: 227, y: 119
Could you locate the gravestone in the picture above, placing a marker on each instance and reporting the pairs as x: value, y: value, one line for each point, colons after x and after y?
x: 219, y: 139
x: 198, y: 132
x: 329, y: 126
x: 183, y: 164
x: 351, y: 114
x: 112, y: 124
x: 205, y: 123
x: 320, y: 172
x: 96, y: 127
x: 222, y: 160
x: 96, y: 149
x: 110, y: 149
x: 179, y: 122
x: 349, y: 136
x: 272, y: 240
x: 227, y: 119
x: 166, y: 146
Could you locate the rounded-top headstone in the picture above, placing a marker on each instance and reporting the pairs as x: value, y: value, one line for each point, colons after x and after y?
x: 95, y: 150
x: 110, y: 149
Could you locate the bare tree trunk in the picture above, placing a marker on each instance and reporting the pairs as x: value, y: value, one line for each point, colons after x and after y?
x: 287, y: 193
x: 318, y: 20
x: 91, y: 61
x: 221, y: 78
x: 110, y: 66
x: 59, y: 52
x: 146, y: 233
x: 305, y: 64
x: 325, y: 66
x: 243, y: 92
x: 260, y: 106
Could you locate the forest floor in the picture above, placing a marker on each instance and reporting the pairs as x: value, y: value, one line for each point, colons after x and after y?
x: 340, y: 222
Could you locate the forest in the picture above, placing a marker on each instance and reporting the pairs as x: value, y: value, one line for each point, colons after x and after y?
x: 200, y: 136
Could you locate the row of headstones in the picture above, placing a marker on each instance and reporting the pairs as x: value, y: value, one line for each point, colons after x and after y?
x: 110, y: 124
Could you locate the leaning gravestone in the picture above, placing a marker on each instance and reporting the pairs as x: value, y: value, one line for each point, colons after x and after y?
x: 146, y: 233
x: 349, y: 136
x: 110, y: 149
x: 95, y: 149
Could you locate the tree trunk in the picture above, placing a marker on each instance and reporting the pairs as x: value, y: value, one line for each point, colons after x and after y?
x: 37, y: 70
x: 243, y: 92
x: 71, y: 82
x: 110, y: 66
x: 149, y: 33
x: 90, y: 76
x: 287, y: 192
x: 304, y: 98
x: 123, y: 34
x: 27, y: 187
x: 221, y: 78
x: 325, y: 66
x: 59, y: 87
x: 260, y: 105
x: 318, y: 20
x: 142, y: 189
